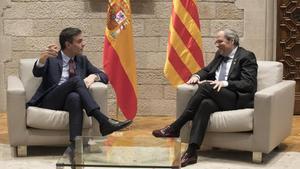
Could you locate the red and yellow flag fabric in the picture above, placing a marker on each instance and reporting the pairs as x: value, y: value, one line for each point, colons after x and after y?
x: 119, y: 57
x: 184, y: 53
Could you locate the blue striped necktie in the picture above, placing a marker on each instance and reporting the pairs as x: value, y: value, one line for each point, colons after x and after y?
x: 222, y: 74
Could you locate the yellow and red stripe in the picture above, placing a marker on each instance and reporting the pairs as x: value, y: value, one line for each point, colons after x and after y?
x: 184, y: 53
x: 119, y: 62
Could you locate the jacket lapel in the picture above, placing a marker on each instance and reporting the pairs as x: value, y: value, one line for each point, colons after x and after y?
x: 234, y: 61
x: 218, y: 62
x: 60, y: 62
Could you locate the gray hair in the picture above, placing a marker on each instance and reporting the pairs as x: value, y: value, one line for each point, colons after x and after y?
x: 232, y: 35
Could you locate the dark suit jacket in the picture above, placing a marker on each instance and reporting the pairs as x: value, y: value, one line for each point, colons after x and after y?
x: 242, y: 78
x: 51, y: 73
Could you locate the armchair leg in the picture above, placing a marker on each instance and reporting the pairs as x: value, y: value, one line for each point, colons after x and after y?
x: 257, y: 157
x: 13, y: 151
x: 279, y: 147
x: 21, y: 151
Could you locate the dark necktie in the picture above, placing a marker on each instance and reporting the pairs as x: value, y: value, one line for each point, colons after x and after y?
x: 222, y: 74
x: 72, y: 67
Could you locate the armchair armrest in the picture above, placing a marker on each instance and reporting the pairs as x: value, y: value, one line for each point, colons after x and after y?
x: 273, y: 113
x: 15, y: 86
x: 99, y: 93
x: 183, y: 95
x: 16, y: 111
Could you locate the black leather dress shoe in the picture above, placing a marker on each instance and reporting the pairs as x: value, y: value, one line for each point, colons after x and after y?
x: 114, y: 126
x: 165, y: 132
x: 188, y: 159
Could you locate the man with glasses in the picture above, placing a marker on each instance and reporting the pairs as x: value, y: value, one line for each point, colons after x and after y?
x: 228, y: 82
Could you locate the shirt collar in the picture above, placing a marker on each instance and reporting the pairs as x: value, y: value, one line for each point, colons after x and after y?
x: 231, y: 55
x: 65, y: 57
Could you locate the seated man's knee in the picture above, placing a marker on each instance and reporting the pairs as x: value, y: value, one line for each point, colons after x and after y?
x: 73, y: 103
x: 209, y: 105
x: 208, y: 102
x: 73, y: 97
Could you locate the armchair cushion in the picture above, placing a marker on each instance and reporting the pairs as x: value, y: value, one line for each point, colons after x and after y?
x: 52, y: 119
x: 240, y: 120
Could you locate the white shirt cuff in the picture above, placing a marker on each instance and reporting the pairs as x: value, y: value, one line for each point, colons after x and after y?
x: 38, y: 64
x: 225, y: 83
x: 197, y: 76
x: 97, y: 79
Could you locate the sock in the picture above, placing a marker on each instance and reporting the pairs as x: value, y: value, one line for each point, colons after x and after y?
x: 72, y: 144
x: 192, y: 148
x: 175, y: 127
x: 100, y: 117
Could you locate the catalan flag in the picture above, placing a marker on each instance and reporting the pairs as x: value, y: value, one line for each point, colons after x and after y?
x: 184, y: 52
x: 119, y: 57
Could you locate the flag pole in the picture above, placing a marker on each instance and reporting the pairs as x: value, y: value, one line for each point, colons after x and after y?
x: 117, y: 111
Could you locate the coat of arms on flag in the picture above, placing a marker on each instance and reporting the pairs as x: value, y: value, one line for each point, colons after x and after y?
x: 117, y: 19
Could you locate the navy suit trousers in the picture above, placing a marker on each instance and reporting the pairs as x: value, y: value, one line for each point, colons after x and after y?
x: 71, y: 96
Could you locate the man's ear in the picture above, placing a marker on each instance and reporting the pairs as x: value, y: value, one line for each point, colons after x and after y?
x: 232, y: 41
x: 67, y: 44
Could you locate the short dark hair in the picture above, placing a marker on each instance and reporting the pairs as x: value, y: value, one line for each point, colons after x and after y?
x: 67, y: 35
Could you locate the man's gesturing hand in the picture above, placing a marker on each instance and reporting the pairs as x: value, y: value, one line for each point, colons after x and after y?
x: 193, y: 80
x: 217, y: 84
x: 51, y: 51
x: 89, y: 80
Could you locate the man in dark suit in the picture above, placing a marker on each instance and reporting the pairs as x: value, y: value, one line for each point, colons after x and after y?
x: 228, y: 82
x: 67, y: 75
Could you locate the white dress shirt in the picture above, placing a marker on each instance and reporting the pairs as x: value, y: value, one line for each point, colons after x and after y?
x: 229, y: 62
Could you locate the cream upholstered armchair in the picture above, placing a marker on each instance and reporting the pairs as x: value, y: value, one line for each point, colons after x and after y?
x: 259, y: 129
x: 38, y: 126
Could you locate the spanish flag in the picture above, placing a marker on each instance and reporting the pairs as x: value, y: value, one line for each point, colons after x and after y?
x: 119, y: 57
x: 184, y: 52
